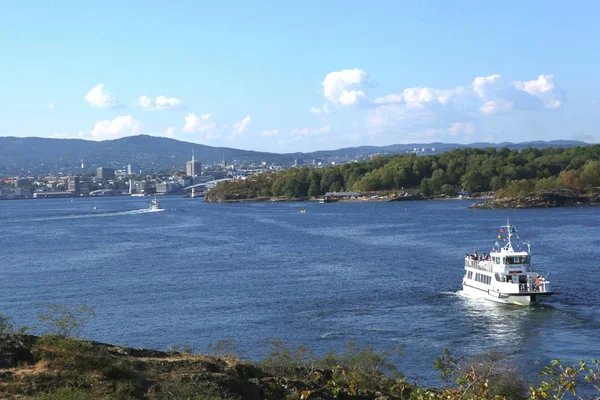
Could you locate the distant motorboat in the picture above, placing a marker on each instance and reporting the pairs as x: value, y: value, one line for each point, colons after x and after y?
x: 155, y: 205
x: 303, y: 211
x: 95, y: 208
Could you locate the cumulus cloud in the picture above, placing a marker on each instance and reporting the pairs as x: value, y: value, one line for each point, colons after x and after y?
x: 241, y: 126
x: 270, y: 133
x: 483, y: 84
x: 159, y: 103
x: 51, y: 106
x: 544, y: 89
x: 345, y: 87
x: 310, y: 131
x: 121, y: 126
x: 100, y: 98
x: 485, y: 95
x: 468, y: 128
x: 198, y: 123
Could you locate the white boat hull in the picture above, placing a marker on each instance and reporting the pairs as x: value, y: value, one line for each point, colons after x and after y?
x: 524, y: 299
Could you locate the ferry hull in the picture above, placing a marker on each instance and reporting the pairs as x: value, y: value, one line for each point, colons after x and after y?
x: 524, y: 299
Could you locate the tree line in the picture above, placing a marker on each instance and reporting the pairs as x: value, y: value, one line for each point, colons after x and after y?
x: 504, y: 171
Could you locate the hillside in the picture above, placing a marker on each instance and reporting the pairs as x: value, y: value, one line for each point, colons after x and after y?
x: 30, y: 156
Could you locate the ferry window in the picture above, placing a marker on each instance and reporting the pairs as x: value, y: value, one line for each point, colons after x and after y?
x: 497, y: 260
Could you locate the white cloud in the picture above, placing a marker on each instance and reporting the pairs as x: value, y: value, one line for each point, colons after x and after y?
x: 390, y: 99
x: 145, y: 101
x: 159, y: 103
x: 481, y: 85
x: 417, y: 97
x: 121, y: 126
x: 486, y: 95
x: 198, y: 123
x: 270, y: 133
x: 100, y: 98
x: 310, y: 131
x: 170, y: 132
x: 318, y: 111
x: 496, y: 106
x: 344, y: 87
x: 51, y: 106
x: 241, y: 126
x: 468, y: 128
x: 544, y: 89
x: 351, y: 97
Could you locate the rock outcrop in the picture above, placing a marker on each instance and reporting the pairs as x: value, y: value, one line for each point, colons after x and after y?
x: 541, y: 199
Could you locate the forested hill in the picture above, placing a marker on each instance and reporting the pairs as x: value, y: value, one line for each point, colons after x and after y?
x: 25, y: 156
x: 508, y: 172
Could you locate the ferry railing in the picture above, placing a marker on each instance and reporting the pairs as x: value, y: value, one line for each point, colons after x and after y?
x: 480, y: 265
x: 532, y: 287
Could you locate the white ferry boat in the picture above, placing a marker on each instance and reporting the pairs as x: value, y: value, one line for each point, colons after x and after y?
x: 154, y: 205
x: 506, y: 274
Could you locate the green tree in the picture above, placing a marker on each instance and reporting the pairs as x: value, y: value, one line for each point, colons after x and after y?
x: 448, y: 190
x: 474, y: 181
x: 426, y: 187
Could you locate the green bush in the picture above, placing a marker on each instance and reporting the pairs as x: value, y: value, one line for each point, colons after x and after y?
x: 69, y: 394
x: 66, y: 321
x: 188, y: 390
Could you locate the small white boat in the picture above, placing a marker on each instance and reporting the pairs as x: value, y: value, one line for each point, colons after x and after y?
x: 155, y: 205
x: 506, y: 274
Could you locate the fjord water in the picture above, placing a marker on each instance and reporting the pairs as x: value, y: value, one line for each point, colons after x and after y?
x: 379, y: 274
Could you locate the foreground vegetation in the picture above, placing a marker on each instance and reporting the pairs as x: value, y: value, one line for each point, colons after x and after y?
x: 506, y: 172
x: 58, y: 366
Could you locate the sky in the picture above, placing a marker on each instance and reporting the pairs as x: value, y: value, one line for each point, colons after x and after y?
x: 285, y: 76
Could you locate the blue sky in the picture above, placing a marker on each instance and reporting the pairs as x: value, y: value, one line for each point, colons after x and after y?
x: 282, y: 76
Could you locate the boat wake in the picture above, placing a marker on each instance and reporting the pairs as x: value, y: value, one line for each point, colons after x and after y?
x: 95, y: 214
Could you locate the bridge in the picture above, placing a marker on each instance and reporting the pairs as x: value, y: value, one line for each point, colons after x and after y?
x: 204, y: 186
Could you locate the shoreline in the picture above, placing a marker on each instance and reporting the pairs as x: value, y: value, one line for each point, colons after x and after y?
x: 56, y: 366
x: 349, y: 200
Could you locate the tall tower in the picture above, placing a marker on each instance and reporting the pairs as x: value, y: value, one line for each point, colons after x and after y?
x: 193, y: 167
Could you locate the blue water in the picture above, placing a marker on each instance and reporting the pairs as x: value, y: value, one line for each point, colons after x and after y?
x: 380, y: 274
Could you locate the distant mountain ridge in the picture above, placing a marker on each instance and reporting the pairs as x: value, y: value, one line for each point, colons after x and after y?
x: 33, y: 155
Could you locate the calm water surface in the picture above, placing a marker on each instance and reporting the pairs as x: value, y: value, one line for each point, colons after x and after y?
x: 379, y: 274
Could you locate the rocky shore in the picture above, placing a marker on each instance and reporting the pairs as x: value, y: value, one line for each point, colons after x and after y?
x: 53, y: 368
x: 541, y: 199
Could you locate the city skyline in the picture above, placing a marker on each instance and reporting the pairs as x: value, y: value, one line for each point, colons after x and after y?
x: 282, y: 78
